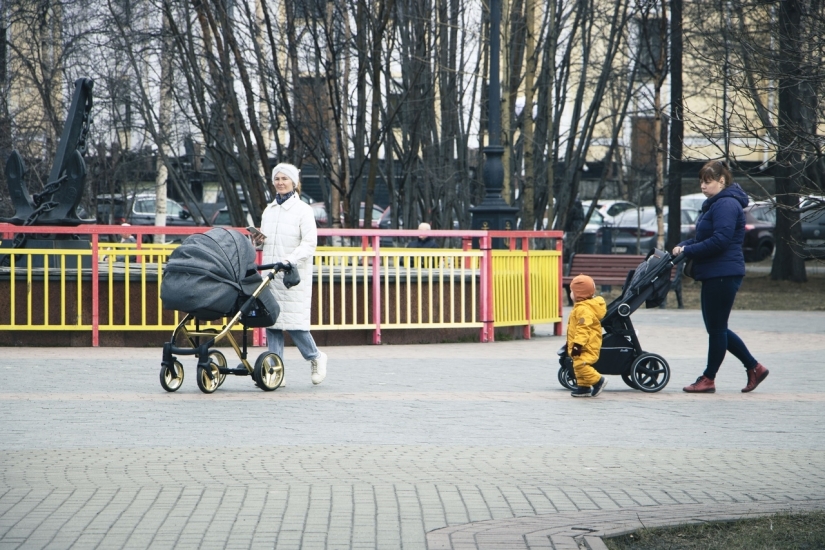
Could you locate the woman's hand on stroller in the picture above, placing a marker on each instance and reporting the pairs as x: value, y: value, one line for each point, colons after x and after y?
x: 576, y: 350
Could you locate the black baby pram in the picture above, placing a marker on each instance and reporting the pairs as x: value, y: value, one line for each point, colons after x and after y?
x: 621, y: 352
x: 211, y: 276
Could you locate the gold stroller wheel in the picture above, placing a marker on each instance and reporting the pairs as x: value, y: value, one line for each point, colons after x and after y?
x: 269, y: 371
x: 209, y: 377
x: 171, y: 378
x: 217, y: 358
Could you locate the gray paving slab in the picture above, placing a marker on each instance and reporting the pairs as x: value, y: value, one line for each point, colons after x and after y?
x: 439, y: 446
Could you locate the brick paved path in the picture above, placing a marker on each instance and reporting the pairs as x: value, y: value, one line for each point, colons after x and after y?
x: 439, y: 446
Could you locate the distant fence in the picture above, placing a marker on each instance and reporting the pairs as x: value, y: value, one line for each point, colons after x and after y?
x: 86, y: 284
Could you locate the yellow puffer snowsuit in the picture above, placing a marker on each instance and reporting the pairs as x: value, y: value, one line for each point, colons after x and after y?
x: 584, y: 328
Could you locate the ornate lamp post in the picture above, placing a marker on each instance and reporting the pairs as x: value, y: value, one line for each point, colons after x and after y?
x: 493, y: 213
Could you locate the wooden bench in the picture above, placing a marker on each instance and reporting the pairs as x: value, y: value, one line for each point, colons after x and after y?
x: 610, y: 270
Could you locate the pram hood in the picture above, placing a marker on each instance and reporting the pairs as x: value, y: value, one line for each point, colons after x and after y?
x: 648, y: 284
x: 209, y: 273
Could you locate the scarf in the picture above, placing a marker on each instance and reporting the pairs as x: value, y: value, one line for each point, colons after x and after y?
x: 281, y: 199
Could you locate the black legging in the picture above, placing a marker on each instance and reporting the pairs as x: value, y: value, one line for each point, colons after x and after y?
x: 718, y: 295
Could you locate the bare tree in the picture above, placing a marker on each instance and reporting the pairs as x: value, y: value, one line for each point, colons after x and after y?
x: 772, y: 78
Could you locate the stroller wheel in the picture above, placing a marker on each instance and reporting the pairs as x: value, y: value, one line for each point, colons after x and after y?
x: 269, y: 371
x: 629, y: 381
x: 567, y: 378
x: 217, y: 358
x: 209, y: 377
x: 650, y: 372
x: 171, y: 378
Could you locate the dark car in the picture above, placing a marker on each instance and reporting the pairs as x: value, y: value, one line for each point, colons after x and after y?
x: 111, y: 209
x: 760, y: 223
x: 631, y: 228
x: 812, y: 223
x: 221, y: 218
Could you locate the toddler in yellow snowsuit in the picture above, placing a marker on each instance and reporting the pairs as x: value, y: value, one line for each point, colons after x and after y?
x: 584, y: 336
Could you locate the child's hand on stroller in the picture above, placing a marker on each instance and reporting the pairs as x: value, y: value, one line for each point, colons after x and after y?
x: 576, y: 351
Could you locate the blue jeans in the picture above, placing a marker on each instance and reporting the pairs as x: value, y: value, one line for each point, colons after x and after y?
x: 718, y: 295
x: 302, y: 338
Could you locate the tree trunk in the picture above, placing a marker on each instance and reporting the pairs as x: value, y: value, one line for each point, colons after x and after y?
x: 528, y: 200
x: 787, y: 262
x: 674, y: 179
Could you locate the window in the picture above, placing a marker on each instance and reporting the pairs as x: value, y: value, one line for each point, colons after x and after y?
x: 649, y: 45
x: 144, y: 206
x: 313, y: 10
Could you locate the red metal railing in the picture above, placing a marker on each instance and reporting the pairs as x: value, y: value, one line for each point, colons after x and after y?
x: 515, y: 242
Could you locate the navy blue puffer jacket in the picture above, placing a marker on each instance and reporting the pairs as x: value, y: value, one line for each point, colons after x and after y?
x: 716, y: 249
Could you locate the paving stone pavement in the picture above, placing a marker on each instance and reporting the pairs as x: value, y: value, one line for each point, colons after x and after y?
x: 438, y: 446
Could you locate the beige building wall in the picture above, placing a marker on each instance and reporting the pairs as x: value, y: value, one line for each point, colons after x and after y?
x: 36, y: 81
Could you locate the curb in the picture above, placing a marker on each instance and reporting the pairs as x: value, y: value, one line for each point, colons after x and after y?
x: 585, y: 529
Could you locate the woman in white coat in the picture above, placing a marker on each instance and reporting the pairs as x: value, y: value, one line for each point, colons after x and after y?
x: 290, y: 236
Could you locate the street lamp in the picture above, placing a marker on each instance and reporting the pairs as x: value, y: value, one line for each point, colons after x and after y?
x: 493, y: 213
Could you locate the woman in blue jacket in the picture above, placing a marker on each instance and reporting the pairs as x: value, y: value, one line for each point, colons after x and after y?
x: 719, y: 263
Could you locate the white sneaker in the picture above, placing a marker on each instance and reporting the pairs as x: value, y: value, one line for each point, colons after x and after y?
x: 319, y: 368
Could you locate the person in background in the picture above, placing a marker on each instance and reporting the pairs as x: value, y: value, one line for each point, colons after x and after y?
x: 584, y: 336
x: 127, y: 237
x: 423, y: 241
x: 288, y: 235
x: 718, y: 262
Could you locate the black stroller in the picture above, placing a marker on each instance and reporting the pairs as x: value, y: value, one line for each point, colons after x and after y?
x: 210, y: 276
x: 621, y: 352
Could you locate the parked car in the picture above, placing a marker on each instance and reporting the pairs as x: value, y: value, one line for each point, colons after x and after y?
x: 111, y: 209
x: 607, y: 208
x: 140, y: 210
x: 760, y: 223
x: 812, y: 224
x: 143, y: 212
x: 694, y: 201
x: 322, y: 218
x: 630, y: 228
x: 221, y: 218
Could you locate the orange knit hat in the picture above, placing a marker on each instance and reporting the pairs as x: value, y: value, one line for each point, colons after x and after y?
x: 583, y: 287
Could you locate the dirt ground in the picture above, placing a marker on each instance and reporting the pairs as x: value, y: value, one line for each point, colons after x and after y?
x: 759, y: 292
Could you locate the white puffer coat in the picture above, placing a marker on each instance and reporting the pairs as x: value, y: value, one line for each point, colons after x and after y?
x: 291, y: 235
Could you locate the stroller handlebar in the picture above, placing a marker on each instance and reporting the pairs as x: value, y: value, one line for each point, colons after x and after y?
x: 291, y: 276
x: 277, y: 266
x: 679, y: 258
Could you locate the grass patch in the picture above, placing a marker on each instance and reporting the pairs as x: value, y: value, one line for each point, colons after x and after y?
x: 776, y: 532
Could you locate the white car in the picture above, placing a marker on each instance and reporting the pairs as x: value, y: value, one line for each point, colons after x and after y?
x: 694, y: 201
x: 608, y: 209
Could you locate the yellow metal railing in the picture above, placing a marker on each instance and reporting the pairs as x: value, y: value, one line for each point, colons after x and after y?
x: 525, y: 293
x: 430, y: 288
x: 116, y: 287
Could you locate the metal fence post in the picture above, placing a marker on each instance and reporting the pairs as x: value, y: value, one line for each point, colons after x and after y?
x: 557, y: 327
x: 95, y: 291
x: 376, y: 289
x: 487, y: 321
x: 525, y: 247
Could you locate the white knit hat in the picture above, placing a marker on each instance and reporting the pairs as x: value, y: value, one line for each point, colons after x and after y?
x: 289, y: 170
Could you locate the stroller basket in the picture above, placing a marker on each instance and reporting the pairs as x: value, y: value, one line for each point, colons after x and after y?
x: 257, y: 315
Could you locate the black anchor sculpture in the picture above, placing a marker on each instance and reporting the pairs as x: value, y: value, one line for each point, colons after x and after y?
x: 56, y: 204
